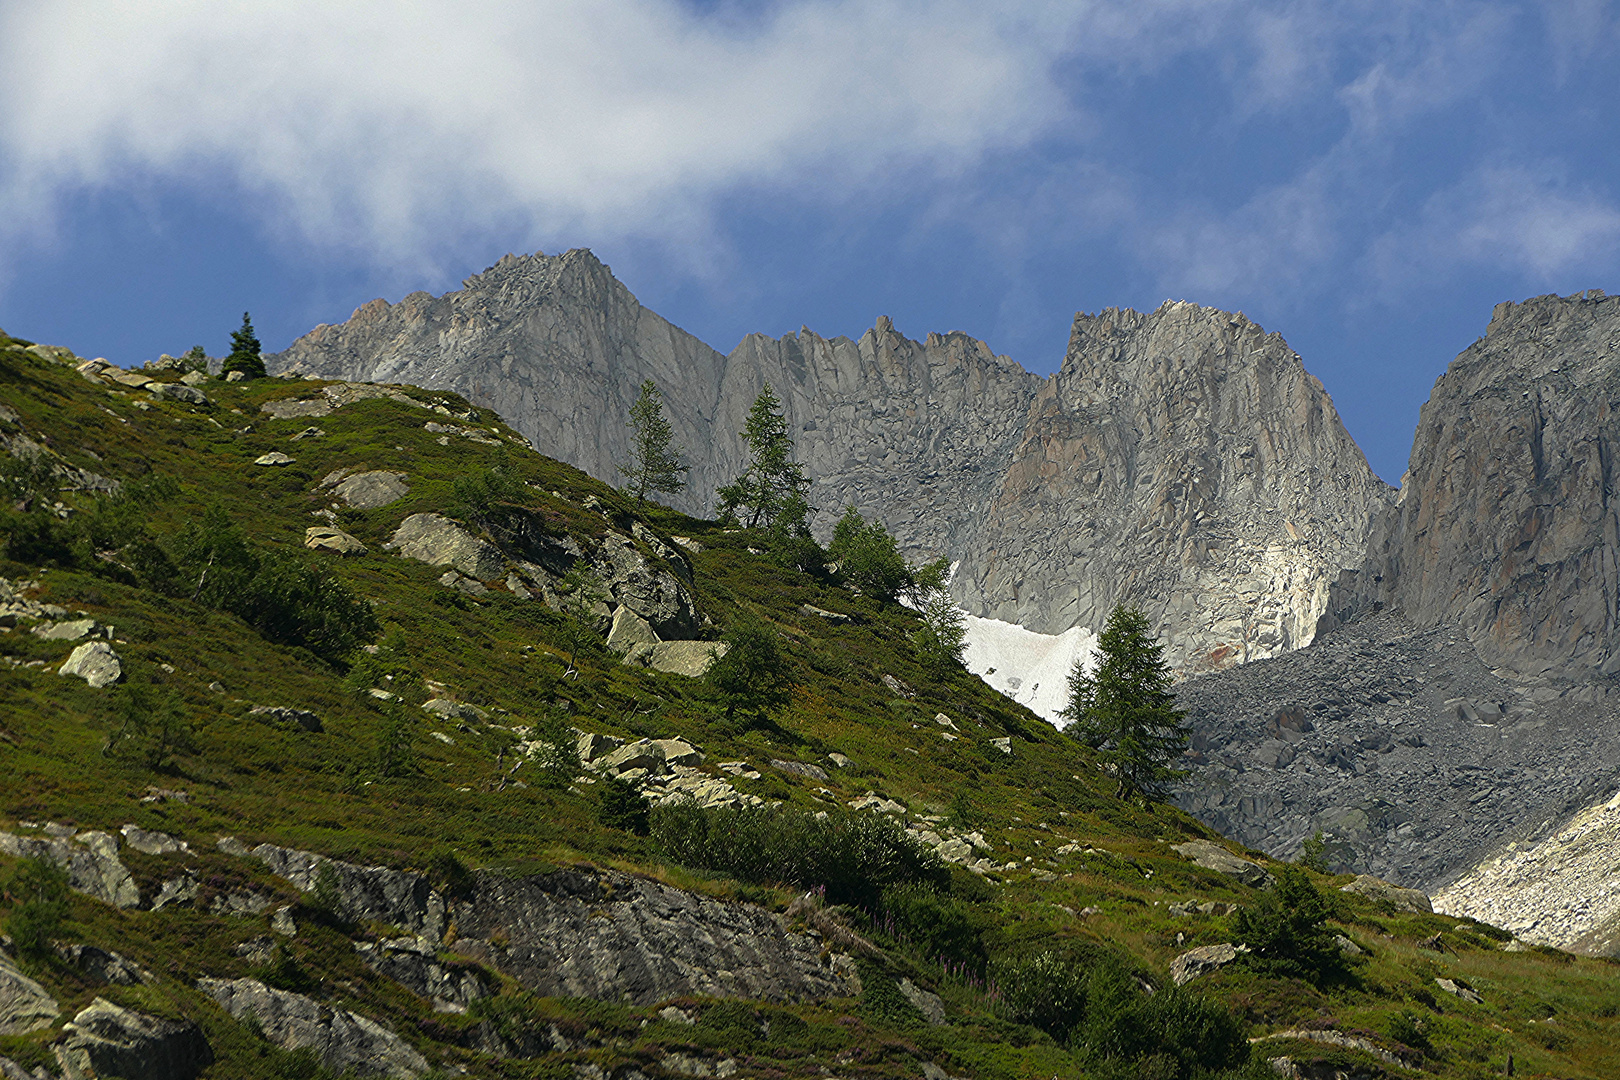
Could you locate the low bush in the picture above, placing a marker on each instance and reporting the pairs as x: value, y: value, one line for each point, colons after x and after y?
x: 621, y: 806
x: 942, y: 927
x: 854, y: 856
x: 38, y: 890
x: 1287, y: 933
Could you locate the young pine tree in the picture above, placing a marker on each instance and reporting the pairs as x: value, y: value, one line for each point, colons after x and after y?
x: 655, y: 463
x: 244, y: 355
x: 868, y: 557
x: 770, y: 493
x: 1124, y: 707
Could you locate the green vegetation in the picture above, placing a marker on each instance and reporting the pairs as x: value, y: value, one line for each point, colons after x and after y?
x: 38, y: 894
x: 867, y: 556
x: 1040, y: 956
x: 770, y: 493
x: 655, y: 466
x: 1125, y: 709
x: 754, y: 675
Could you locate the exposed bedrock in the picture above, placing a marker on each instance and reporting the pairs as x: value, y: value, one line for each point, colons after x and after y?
x: 1507, y: 520
x: 1183, y: 460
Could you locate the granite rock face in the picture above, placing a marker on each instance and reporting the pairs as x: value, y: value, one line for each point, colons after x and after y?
x: 608, y: 935
x: 108, y: 1040
x: 1182, y: 460
x: 343, y: 1040
x: 1507, y: 526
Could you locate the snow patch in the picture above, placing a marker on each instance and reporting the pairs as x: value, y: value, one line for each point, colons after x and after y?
x: 1032, y: 669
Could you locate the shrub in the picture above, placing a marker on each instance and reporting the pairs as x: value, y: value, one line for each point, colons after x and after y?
x: 621, y: 806
x: 754, y: 675
x: 1287, y: 934
x: 150, y: 726
x: 283, y: 972
x: 1047, y: 991
x: 556, y: 759
x: 940, y: 926
x: 446, y: 870
x: 396, y: 750
x: 867, y: 556
x: 39, y: 892
x: 854, y: 856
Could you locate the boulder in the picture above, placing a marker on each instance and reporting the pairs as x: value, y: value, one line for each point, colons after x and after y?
x: 280, y: 714
x: 95, y: 663
x: 629, y: 630
x: 1402, y: 899
x: 274, y: 457
x: 1203, y: 960
x: 177, y: 392
x: 153, y: 843
x: 326, y: 538
x: 370, y: 490
x: 454, y: 579
x: 194, y: 378
x: 10, y: 1070
x: 593, y: 746
x: 929, y: 1004
x: 690, y: 658
x: 899, y: 687
x: 662, y: 550
x: 438, y: 541
x: 823, y: 613
x: 656, y: 595
x: 107, y: 1040
x: 340, y: 1038
x: 1212, y: 856
x: 799, y: 768
x: 24, y: 1004
x: 71, y: 630
x: 1459, y: 989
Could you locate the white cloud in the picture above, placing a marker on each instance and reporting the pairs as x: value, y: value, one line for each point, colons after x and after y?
x: 376, y: 124
x: 1528, y: 221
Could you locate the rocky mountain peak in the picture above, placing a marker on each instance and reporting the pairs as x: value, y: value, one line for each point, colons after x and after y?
x: 1181, y: 459
x: 1507, y: 519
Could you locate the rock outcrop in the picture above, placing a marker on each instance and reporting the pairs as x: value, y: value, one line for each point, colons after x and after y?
x: 1400, y: 744
x: 608, y: 935
x: 96, y: 663
x: 438, y: 541
x: 1182, y: 460
x: 1507, y: 527
x: 90, y: 859
x: 108, y: 1040
x: 378, y: 893
x: 343, y: 1040
x: 24, y: 1004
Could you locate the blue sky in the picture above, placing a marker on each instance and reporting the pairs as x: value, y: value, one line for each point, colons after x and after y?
x: 1368, y: 178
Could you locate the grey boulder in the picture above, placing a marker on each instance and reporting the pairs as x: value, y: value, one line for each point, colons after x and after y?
x: 369, y: 490
x: 69, y: 630
x: 438, y: 541
x: 656, y: 595
x: 1403, y: 899
x: 326, y: 538
x: 1212, y: 856
x: 280, y: 714
x: 95, y: 662
x: 413, y: 962
x: 90, y: 859
x: 107, y: 1040
x: 340, y: 1038
x: 1202, y: 961
x: 177, y: 392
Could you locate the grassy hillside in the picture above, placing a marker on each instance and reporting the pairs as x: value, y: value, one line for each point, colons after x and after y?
x: 1083, y: 880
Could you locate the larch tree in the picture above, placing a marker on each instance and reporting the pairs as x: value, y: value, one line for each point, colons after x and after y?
x: 1124, y: 707
x: 655, y: 465
x: 770, y: 493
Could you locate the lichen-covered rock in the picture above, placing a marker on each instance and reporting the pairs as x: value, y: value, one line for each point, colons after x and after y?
x: 274, y: 458
x: 438, y: 541
x: 96, y: 663
x: 326, y: 538
x: 1202, y: 961
x: 370, y: 490
x: 340, y: 1038
x: 107, y: 1040
x: 1402, y: 899
x: 303, y: 719
x: 413, y: 962
x: 90, y: 859
x: 690, y: 658
x: 1212, y: 856
x: 614, y: 937
x: 103, y: 965
x: 177, y: 392
x: 654, y: 594
x: 399, y: 897
x: 24, y: 1004
x: 629, y: 630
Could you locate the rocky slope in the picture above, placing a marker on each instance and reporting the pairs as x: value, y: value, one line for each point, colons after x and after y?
x: 1400, y: 744
x: 1182, y: 460
x: 1506, y: 526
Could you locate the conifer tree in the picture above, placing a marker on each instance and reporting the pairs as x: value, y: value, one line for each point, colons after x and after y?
x: 868, y: 557
x: 654, y: 465
x: 244, y: 355
x: 1124, y: 707
x: 771, y: 491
